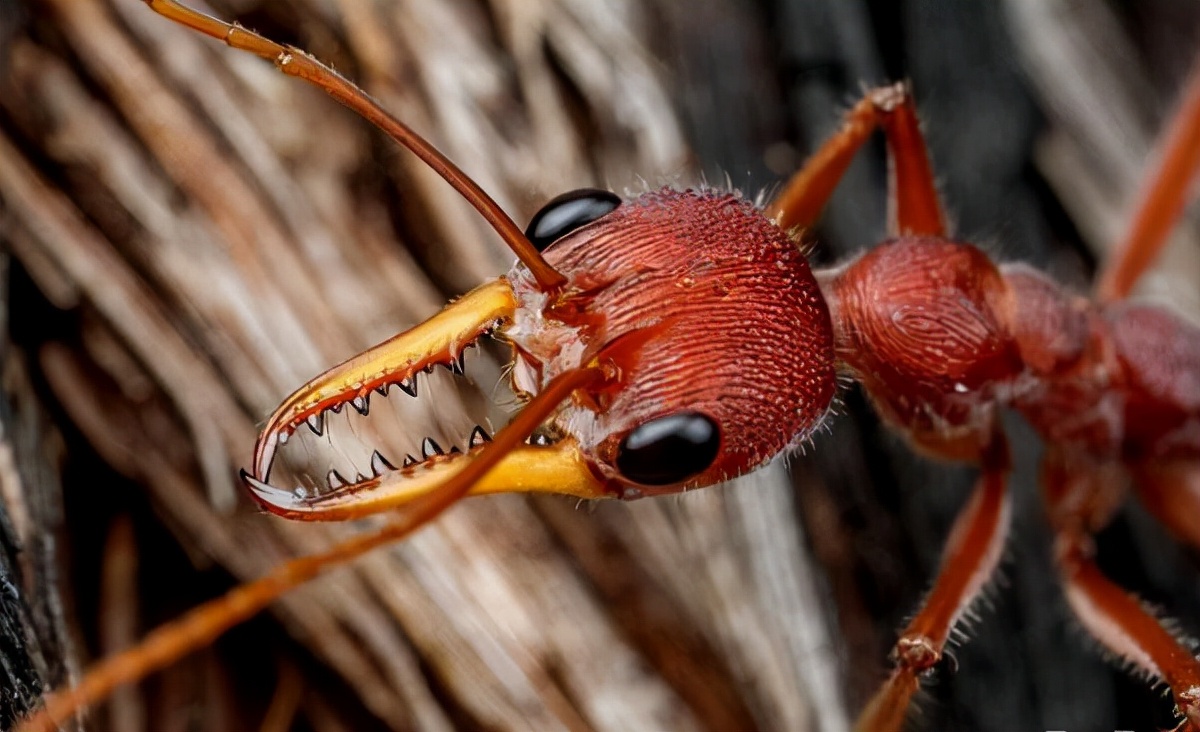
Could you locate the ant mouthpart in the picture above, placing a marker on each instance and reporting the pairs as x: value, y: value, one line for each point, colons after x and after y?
x: 337, y: 486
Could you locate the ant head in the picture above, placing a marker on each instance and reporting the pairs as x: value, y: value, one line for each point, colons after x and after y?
x: 712, y: 317
x: 705, y: 316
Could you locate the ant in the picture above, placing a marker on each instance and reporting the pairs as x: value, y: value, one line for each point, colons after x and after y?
x: 977, y: 335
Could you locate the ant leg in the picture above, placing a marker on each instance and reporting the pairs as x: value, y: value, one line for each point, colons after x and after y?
x: 204, y: 624
x: 800, y: 202
x: 1080, y: 498
x: 1164, y: 194
x: 915, y: 208
x: 912, y: 195
x: 1170, y: 489
x: 970, y: 557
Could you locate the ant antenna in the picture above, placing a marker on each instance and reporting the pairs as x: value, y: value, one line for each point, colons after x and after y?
x: 296, y: 62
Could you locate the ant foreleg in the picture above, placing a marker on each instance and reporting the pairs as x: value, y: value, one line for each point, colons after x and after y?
x: 1081, y: 497
x: 970, y: 557
x: 914, y: 208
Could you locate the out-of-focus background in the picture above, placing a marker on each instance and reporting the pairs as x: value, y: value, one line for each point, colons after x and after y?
x: 187, y: 235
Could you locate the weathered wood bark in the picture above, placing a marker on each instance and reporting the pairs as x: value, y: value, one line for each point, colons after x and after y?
x: 35, y: 644
x: 205, y: 234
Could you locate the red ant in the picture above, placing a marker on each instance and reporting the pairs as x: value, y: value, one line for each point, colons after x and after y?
x: 623, y: 403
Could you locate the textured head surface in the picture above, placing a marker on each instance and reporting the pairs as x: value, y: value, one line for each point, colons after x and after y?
x: 706, y: 306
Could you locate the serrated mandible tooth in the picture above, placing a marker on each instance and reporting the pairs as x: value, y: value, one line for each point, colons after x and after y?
x: 479, y: 436
x: 380, y: 464
x: 382, y: 389
x: 408, y: 386
x: 262, y: 488
x: 316, y: 423
x: 409, y: 460
x: 335, y: 480
x: 429, y: 448
x: 360, y: 404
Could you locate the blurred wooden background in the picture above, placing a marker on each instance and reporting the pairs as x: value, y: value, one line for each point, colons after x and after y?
x: 188, y: 235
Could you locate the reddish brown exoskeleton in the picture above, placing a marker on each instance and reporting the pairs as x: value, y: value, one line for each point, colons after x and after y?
x: 623, y: 401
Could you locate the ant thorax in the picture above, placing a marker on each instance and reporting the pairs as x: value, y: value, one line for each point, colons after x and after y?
x: 704, y: 305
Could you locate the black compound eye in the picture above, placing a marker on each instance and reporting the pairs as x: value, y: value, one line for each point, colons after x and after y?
x: 566, y: 213
x: 669, y: 449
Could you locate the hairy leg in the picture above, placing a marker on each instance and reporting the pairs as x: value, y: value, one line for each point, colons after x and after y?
x: 970, y: 558
x: 1080, y: 496
x: 914, y: 207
